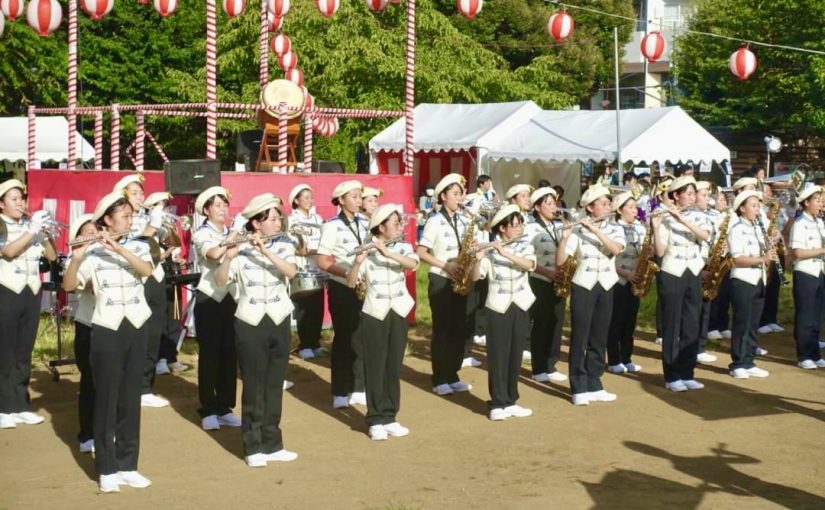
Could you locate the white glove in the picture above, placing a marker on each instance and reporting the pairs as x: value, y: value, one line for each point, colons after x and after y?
x: 239, y: 223
x: 156, y: 217
x: 37, y: 221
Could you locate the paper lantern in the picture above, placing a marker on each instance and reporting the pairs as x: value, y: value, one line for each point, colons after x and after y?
x: 743, y: 63
x: 280, y: 44
x: 560, y: 26
x: 278, y: 7
x: 11, y: 8
x: 234, y: 8
x: 295, y: 76
x: 653, y: 46
x: 469, y: 8
x: 287, y: 61
x: 275, y: 22
x: 44, y: 16
x: 166, y: 7
x: 96, y: 9
x: 327, y: 7
x: 376, y: 5
x: 2, y: 24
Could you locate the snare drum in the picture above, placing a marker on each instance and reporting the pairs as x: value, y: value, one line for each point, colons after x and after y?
x: 306, y: 282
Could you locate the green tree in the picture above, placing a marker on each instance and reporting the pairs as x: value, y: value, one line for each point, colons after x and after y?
x: 788, y: 89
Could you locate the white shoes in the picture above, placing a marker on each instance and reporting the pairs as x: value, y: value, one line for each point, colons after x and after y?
x: 480, y: 339
x: 151, y: 400
x: 692, y: 384
x: 288, y: 384
x: 727, y: 334
x: 109, y: 483
x: 763, y: 330
x: 178, y: 366
x: 758, y: 372
x: 340, y: 402
x: 443, y: 389
x: 676, y: 386
x: 705, y: 357
x: 821, y: 345
x: 518, y: 411
x: 378, y: 433
x: 498, y: 414
x: 256, y: 460
x: 229, y: 420
x: 27, y: 417
x: 739, y: 373
x: 807, y: 364
x: 7, y: 421
x: 543, y: 377
x: 210, y: 422
x: 557, y: 376
x: 714, y: 335
x: 619, y: 368
x: 460, y: 386
x: 776, y: 328
x: 162, y: 367
x: 358, y: 398
x: 526, y: 355
x: 395, y: 429
x: 601, y: 396
x: 306, y: 353
x: 658, y: 340
x: 87, y: 446
x: 133, y: 479
x: 580, y: 399
x: 761, y: 352
x: 280, y: 456
x: 470, y: 361
x: 633, y: 367
x: 820, y: 363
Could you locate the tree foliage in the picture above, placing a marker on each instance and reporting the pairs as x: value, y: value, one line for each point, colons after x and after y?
x: 788, y: 89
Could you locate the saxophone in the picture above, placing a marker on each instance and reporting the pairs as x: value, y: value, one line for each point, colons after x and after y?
x: 564, y: 277
x: 719, y: 262
x: 465, y: 261
x: 646, y: 267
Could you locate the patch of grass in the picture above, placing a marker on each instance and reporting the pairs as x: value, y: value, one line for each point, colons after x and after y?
x: 45, y: 345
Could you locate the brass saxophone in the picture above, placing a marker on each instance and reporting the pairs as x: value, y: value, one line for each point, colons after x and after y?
x: 465, y: 261
x: 719, y: 262
x: 564, y: 277
x: 646, y: 268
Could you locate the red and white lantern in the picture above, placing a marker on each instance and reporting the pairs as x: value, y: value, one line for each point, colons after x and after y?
x: 2, y: 24
x: 278, y: 7
x: 275, y: 23
x: 12, y: 8
x: 280, y: 44
x: 295, y: 76
x: 309, y: 101
x: 96, y: 9
x: 234, y: 8
x: 376, y: 5
x: 44, y: 16
x: 743, y: 63
x: 653, y: 46
x: 469, y: 8
x: 327, y: 7
x: 287, y: 61
x: 560, y: 26
x: 166, y: 7
x: 333, y: 126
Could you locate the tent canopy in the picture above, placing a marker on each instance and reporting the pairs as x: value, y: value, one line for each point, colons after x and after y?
x: 660, y: 134
x: 51, y: 140
x: 453, y: 127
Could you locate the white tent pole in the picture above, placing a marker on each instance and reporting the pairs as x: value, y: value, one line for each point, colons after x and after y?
x: 618, y: 129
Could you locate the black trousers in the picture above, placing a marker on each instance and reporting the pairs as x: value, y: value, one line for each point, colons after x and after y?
x: 476, y: 315
x: 704, y: 323
x: 547, y: 314
x: 155, y: 293
x: 263, y: 353
x: 808, y: 297
x: 771, y: 307
x: 590, y: 313
x: 719, y: 319
x: 86, y: 394
x: 172, y: 326
x: 117, y: 363
x: 622, y: 324
x: 747, y: 301
x: 384, y: 345
x: 448, y: 311
x: 309, y: 316
x: 19, y: 317
x: 659, y: 306
x: 681, y: 297
x: 217, y: 361
x: 347, y: 358
x: 506, y: 338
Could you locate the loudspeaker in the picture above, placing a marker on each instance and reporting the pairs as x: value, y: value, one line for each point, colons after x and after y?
x: 191, y: 176
x: 249, y: 144
x: 327, y: 167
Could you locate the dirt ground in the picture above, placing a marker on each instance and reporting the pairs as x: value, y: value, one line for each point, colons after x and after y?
x: 756, y: 443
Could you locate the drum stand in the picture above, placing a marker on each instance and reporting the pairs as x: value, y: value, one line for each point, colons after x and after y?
x: 268, y: 153
x: 58, y: 312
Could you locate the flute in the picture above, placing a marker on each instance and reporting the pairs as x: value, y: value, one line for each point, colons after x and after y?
x: 249, y: 239
x: 578, y: 223
x: 79, y: 241
x: 371, y: 246
x: 487, y: 246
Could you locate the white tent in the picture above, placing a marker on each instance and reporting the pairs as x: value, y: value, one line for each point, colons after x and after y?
x: 51, y: 140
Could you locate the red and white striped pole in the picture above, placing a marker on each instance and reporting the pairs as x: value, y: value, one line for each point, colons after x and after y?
x: 307, y: 142
x: 32, y: 137
x: 72, y: 159
x: 140, y: 135
x: 263, y: 46
x: 114, y: 159
x: 98, y: 140
x: 211, y: 79
x: 409, y: 92
x: 157, y: 147
x: 282, y: 138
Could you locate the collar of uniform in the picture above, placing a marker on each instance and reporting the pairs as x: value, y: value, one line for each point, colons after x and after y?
x: 213, y: 227
x: 747, y: 222
x: 355, y: 217
x: 10, y: 221
x: 301, y: 213
x: 625, y: 224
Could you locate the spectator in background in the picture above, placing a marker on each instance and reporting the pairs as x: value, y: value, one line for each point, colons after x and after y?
x: 560, y: 192
x: 610, y: 176
x: 543, y: 183
x: 681, y: 170
x: 629, y: 179
x: 425, y: 207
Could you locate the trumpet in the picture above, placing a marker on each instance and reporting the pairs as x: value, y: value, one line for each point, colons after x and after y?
x: 79, y: 241
x: 371, y: 246
x: 184, y: 220
x: 50, y: 226
x: 488, y: 246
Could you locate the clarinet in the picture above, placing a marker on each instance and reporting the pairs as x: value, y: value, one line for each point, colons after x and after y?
x: 769, y: 244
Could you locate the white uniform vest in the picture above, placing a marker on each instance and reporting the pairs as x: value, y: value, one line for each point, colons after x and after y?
x: 139, y: 223
x: 443, y: 239
x: 338, y: 238
x: 628, y: 259
x: 23, y: 270
x: 808, y: 233
x: 683, y: 249
x: 596, y: 263
x: 204, y: 239
x: 508, y: 284
x: 746, y: 240
x: 261, y: 287
x: 386, y: 283
x: 545, y: 242
x: 312, y: 241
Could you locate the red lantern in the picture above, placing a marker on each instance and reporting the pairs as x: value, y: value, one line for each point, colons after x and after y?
x: 295, y: 76
x: 275, y: 22
x: 287, y: 61
x: 96, y: 9
x: 376, y: 5
x: 333, y: 126
x: 560, y: 26
x: 469, y: 8
x: 44, y: 16
x: 166, y: 7
x: 278, y: 7
x: 743, y: 63
x: 11, y: 8
x: 2, y: 24
x: 309, y: 101
x: 234, y: 8
x: 653, y: 46
x: 280, y: 44
x: 327, y: 7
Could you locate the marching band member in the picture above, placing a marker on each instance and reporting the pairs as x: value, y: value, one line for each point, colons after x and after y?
x: 677, y: 238
x: 476, y: 318
x: 769, y: 323
x: 439, y: 246
x: 383, y: 323
x: 339, y: 236
x: 660, y: 202
x: 369, y: 200
x: 262, y: 326
x: 718, y: 327
x: 547, y: 312
x: 747, y: 247
x: 595, y: 244
x: 148, y: 225
x: 114, y: 269
x: 508, y: 303
x: 625, y: 304
x: 808, y: 245
x: 214, y: 313
x: 84, y: 226
x: 519, y: 194
x: 713, y: 219
x: 22, y: 243
x: 309, y: 309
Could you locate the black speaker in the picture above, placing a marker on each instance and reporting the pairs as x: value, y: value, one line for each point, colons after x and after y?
x: 191, y: 176
x: 327, y: 167
x: 249, y: 144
